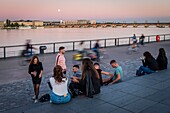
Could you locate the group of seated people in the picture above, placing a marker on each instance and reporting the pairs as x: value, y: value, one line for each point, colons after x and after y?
x: 151, y: 65
x: 87, y: 83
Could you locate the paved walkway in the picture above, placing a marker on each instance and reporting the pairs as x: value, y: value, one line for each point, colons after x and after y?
x: 145, y: 94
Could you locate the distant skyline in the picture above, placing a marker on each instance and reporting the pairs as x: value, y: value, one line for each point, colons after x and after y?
x: 100, y: 10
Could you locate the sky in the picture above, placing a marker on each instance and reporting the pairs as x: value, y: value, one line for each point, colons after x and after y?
x: 100, y: 10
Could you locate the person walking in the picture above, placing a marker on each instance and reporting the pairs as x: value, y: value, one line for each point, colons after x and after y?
x: 60, y: 59
x: 35, y: 70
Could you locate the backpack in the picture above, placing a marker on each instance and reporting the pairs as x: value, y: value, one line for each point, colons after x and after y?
x: 44, y: 98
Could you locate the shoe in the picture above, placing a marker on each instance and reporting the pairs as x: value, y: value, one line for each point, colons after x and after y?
x: 35, y: 101
x: 51, y: 102
x: 34, y: 97
x: 137, y: 73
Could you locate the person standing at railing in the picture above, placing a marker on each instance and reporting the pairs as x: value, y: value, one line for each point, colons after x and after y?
x: 142, y: 38
x: 134, y: 39
x: 60, y: 59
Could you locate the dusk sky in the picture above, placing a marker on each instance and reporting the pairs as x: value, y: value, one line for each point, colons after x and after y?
x: 101, y: 10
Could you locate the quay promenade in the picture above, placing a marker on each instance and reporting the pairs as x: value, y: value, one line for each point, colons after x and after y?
x: 145, y: 94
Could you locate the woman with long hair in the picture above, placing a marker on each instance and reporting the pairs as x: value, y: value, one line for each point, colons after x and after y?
x: 150, y: 65
x: 59, y: 93
x: 162, y: 59
x: 35, y: 70
x: 89, y: 83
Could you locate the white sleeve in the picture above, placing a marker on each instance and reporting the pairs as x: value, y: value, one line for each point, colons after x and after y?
x: 52, y: 81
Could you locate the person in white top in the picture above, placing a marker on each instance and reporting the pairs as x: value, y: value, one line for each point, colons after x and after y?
x: 59, y: 93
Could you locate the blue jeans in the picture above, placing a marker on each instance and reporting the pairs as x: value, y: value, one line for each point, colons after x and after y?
x: 59, y: 99
x: 143, y: 70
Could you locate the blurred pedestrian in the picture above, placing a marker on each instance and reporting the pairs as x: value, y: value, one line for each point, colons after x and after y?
x: 96, y: 49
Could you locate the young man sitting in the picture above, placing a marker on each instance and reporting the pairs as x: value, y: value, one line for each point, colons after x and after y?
x: 74, y: 86
x: 118, y: 74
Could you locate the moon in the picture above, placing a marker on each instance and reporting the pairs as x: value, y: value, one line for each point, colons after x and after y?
x: 59, y: 10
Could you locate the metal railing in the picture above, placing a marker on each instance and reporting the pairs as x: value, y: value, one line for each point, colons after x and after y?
x: 14, y: 51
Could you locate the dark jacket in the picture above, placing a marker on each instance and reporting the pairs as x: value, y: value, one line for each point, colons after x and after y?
x: 151, y: 63
x: 162, y: 62
x: 90, y: 84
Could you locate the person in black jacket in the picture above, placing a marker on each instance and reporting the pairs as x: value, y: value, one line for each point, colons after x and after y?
x: 89, y: 83
x: 162, y: 59
x: 35, y: 70
x: 150, y: 65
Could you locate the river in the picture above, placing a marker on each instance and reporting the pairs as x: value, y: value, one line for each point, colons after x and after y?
x: 51, y: 35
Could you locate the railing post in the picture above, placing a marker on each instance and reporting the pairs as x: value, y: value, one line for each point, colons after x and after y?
x: 31, y: 50
x: 148, y: 39
x: 164, y: 38
x: 105, y: 43
x: 4, y: 52
x: 115, y: 41
x: 129, y: 41
x: 54, y: 48
x: 118, y: 41
x: 73, y: 46
x: 90, y: 44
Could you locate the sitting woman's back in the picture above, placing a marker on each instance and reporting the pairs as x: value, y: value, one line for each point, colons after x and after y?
x: 59, y: 88
x: 90, y: 81
x: 58, y: 83
x: 162, y: 59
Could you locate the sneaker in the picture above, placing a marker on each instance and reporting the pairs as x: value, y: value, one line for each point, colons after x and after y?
x: 35, y: 101
x: 137, y: 73
x: 34, y: 97
x: 51, y: 102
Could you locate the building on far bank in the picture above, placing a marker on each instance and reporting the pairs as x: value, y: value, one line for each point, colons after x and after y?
x: 93, y: 22
x: 48, y: 23
x: 2, y: 24
x: 34, y: 23
x: 38, y: 23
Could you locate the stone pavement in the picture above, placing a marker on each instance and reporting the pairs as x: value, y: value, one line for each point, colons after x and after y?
x: 145, y: 94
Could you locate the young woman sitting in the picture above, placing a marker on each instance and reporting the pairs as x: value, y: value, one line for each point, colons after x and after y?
x: 59, y: 93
